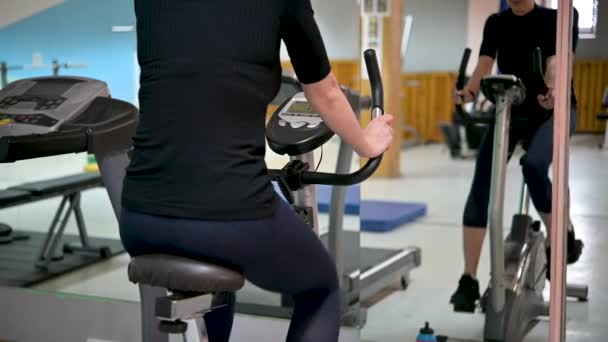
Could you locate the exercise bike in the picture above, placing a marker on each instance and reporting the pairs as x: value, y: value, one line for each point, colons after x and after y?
x: 513, y: 301
x: 365, y: 273
x: 462, y: 137
x: 174, y: 290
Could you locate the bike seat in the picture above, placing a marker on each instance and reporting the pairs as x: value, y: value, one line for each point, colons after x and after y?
x: 183, y: 275
x: 493, y: 86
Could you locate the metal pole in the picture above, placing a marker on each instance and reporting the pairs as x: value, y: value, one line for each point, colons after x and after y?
x: 3, y: 75
x: 336, y: 237
x: 336, y: 243
x: 497, y: 198
x: 524, y: 199
x: 56, y: 67
x: 557, y: 313
x: 307, y: 196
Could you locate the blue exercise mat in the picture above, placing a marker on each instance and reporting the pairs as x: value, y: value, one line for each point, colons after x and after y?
x: 383, y: 216
x: 376, y: 216
x: 353, y: 198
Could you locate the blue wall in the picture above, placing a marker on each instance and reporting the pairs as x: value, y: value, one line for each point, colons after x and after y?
x: 78, y: 31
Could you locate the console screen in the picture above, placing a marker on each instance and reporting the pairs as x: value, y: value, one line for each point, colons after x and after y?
x: 301, y: 107
x: 51, y: 88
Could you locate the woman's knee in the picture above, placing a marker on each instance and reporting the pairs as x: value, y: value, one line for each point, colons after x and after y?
x: 325, y: 271
x: 476, y: 208
x: 329, y: 277
x: 534, y: 167
x: 474, y: 215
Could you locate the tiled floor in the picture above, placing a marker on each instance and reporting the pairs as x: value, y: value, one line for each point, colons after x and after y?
x: 429, y: 176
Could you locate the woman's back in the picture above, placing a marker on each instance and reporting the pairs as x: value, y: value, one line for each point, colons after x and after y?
x: 208, y: 70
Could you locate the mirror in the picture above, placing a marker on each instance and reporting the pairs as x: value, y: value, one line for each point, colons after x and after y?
x: 436, y: 166
x: 411, y: 213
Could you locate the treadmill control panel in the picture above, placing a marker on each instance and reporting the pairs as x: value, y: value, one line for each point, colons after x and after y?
x: 42, y: 105
x: 35, y: 119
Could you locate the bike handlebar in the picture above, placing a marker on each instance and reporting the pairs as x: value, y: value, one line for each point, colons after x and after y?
x: 310, y: 177
x: 537, y: 68
x: 462, y: 70
x: 538, y: 80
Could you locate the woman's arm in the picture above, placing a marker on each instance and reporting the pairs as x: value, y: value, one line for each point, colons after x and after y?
x: 547, y: 101
x: 329, y: 101
x: 309, y: 58
x: 487, y: 56
x: 484, y: 67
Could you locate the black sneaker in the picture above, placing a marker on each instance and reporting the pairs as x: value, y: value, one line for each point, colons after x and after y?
x: 467, y: 294
x: 575, y: 249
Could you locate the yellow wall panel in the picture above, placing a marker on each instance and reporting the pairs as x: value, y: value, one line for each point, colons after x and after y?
x: 590, y: 80
x: 346, y: 71
x: 427, y: 102
x: 426, y: 97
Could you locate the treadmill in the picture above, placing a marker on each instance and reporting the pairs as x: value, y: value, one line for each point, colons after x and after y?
x: 56, y: 115
x: 365, y: 272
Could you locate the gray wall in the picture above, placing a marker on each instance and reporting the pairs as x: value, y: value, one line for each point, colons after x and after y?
x: 596, y: 48
x: 338, y: 22
x: 439, y: 34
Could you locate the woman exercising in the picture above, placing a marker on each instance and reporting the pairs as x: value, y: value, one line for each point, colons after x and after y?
x: 510, y: 37
x: 198, y: 185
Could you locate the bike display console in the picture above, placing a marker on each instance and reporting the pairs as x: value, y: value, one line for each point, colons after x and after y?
x: 296, y: 128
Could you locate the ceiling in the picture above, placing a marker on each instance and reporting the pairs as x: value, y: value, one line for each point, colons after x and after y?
x: 12, y: 11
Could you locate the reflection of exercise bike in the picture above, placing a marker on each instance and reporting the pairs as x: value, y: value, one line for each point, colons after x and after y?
x: 513, y: 302
x: 462, y: 136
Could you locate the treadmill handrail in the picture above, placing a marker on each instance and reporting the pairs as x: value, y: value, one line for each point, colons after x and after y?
x: 112, y: 134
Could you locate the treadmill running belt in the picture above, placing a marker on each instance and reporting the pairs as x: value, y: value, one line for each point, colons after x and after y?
x: 354, y: 255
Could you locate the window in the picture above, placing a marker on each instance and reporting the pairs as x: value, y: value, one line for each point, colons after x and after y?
x: 587, y: 20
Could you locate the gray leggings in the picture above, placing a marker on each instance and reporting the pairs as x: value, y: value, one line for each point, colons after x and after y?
x: 280, y: 254
x: 538, y: 143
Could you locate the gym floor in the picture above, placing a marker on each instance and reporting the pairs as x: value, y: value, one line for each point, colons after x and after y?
x: 429, y: 176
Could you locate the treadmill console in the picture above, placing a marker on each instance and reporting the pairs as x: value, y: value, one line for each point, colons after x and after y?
x: 41, y: 105
x: 295, y: 128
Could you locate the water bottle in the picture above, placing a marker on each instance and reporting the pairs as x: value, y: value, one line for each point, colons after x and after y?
x: 426, y: 334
